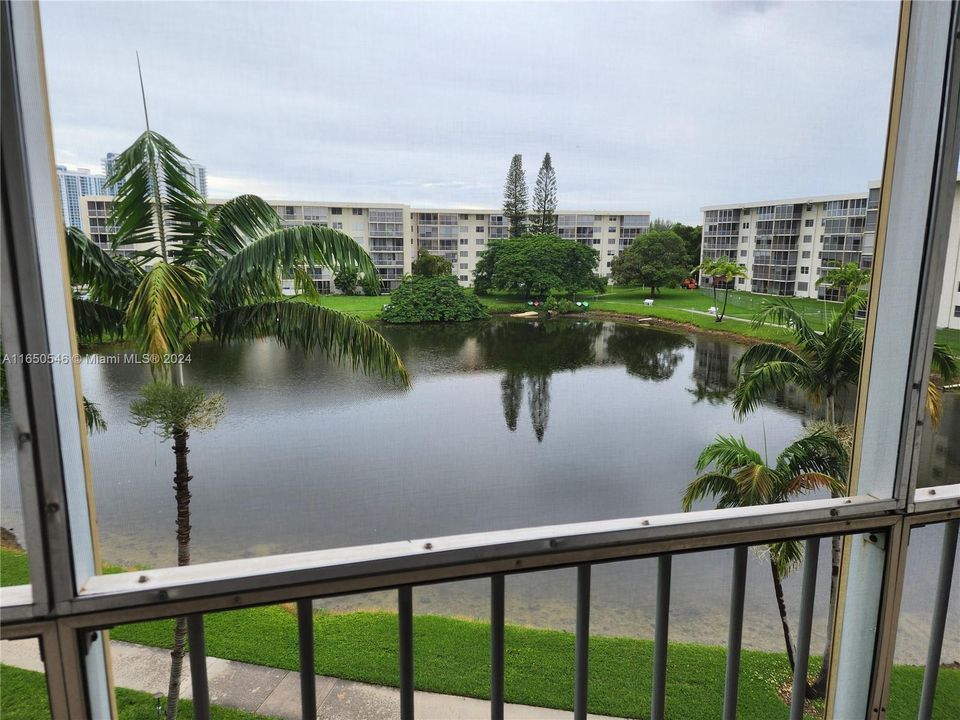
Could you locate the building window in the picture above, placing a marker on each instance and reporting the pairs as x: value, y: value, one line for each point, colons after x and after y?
x: 358, y: 211
x: 464, y: 278
x: 804, y: 270
x: 464, y: 241
x: 463, y: 216
x: 464, y: 266
x: 464, y: 229
x: 612, y: 228
x: 808, y: 238
x: 743, y: 253
x: 746, y: 226
x: 801, y: 286
x: 956, y: 310
x: 479, y: 228
x: 743, y: 238
x: 479, y: 217
x: 611, y: 252
x: 805, y: 254
x: 338, y: 226
x: 739, y: 281
x: 481, y: 241
x: 464, y: 253
x: 336, y: 211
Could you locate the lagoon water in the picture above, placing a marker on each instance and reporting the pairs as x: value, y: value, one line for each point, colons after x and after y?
x: 507, y: 424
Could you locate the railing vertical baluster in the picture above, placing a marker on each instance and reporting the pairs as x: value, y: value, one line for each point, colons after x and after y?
x: 808, y: 592
x: 198, y: 667
x: 308, y: 687
x: 948, y: 556
x: 735, y: 632
x: 496, y: 646
x: 405, y: 608
x: 657, y: 703
x: 581, y: 653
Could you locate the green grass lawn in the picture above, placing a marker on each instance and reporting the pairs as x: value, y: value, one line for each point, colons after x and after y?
x: 23, y: 696
x: 452, y: 656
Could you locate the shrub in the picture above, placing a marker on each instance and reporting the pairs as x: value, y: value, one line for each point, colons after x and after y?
x: 346, y: 280
x: 431, y: 299
x: 370, y: 285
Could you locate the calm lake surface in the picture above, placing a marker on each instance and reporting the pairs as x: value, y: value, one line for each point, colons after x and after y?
x: 507, y: 424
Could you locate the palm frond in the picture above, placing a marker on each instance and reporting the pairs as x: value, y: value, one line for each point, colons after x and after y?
x: 301, y: 323
x: 934, y: 404
x: 238, y: 222
x: 304, y: 285
x: 252, y: 273
x: 711, y: 484
x: 786, y: 556
x: 728, y: 453
x: 767, y: 367
x: 806, y: 482
x: 92, y: 417
x: 944, y: 364
x: 108, y: 279
x: 163, y: 307
x: 757, y: 484
x: 156, y: 201
x: 781, y: 311
x: 96, y: 320
x: 818, y: 452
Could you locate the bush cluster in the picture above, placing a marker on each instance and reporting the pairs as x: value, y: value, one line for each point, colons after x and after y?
x: 432, y: 299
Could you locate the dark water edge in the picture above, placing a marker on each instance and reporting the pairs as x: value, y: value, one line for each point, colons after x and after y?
x: 508, y: 424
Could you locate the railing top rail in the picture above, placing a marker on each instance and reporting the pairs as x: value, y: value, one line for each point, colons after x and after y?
x: 132, y: 596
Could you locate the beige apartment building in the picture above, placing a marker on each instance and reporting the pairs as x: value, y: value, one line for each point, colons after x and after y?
x: 393, y: 234
x: 787, y: 245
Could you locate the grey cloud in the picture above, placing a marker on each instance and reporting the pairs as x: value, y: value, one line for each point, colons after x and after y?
x: 661, y: 106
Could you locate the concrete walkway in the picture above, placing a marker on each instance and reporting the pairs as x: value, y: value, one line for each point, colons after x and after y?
x: 276, y: 693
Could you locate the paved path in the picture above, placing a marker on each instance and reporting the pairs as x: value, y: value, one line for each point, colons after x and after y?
x: 276, y: 693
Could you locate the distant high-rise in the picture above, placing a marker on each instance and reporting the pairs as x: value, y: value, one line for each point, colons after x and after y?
x: 198, y: 172
x: 75, y: 184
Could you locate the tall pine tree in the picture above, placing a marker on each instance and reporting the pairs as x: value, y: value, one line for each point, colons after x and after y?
x: 545, y: 199
x: 515, y: 197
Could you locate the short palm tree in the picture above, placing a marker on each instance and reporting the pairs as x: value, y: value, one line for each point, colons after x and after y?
x: 742, y: 478
x: 198, y: 269
x: 721, y: 271
x: 847, y: 278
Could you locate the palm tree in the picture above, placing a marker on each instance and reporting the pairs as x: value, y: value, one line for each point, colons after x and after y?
x: 847, y: 278
x: 820, y: 364
x: 742, y: 478
x: 197, y: 269
x: 720, y: 270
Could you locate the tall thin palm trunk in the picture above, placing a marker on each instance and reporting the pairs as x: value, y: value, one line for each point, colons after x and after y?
x: 818, y: 689
x: 782, y: 607
x: 181, y: 484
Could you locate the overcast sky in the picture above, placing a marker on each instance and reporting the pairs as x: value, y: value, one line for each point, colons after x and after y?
x: 657, y: 106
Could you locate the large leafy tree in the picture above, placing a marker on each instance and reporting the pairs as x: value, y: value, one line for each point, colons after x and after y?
x: 721, y: 272
x: 515, y: 197
x: 545, y: 199
x: 536, y: 264
x: 199, y: 269
x: 657, y: 259
x: 741, y: 477
x: 429, y: 265
x: 692, y: 236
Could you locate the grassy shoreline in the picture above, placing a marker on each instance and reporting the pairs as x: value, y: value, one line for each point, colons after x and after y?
x: 452, y: 656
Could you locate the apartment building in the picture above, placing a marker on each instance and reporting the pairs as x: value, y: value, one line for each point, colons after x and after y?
x: 74, y: 185
x: 787, y: 245
x: 393, y: 234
